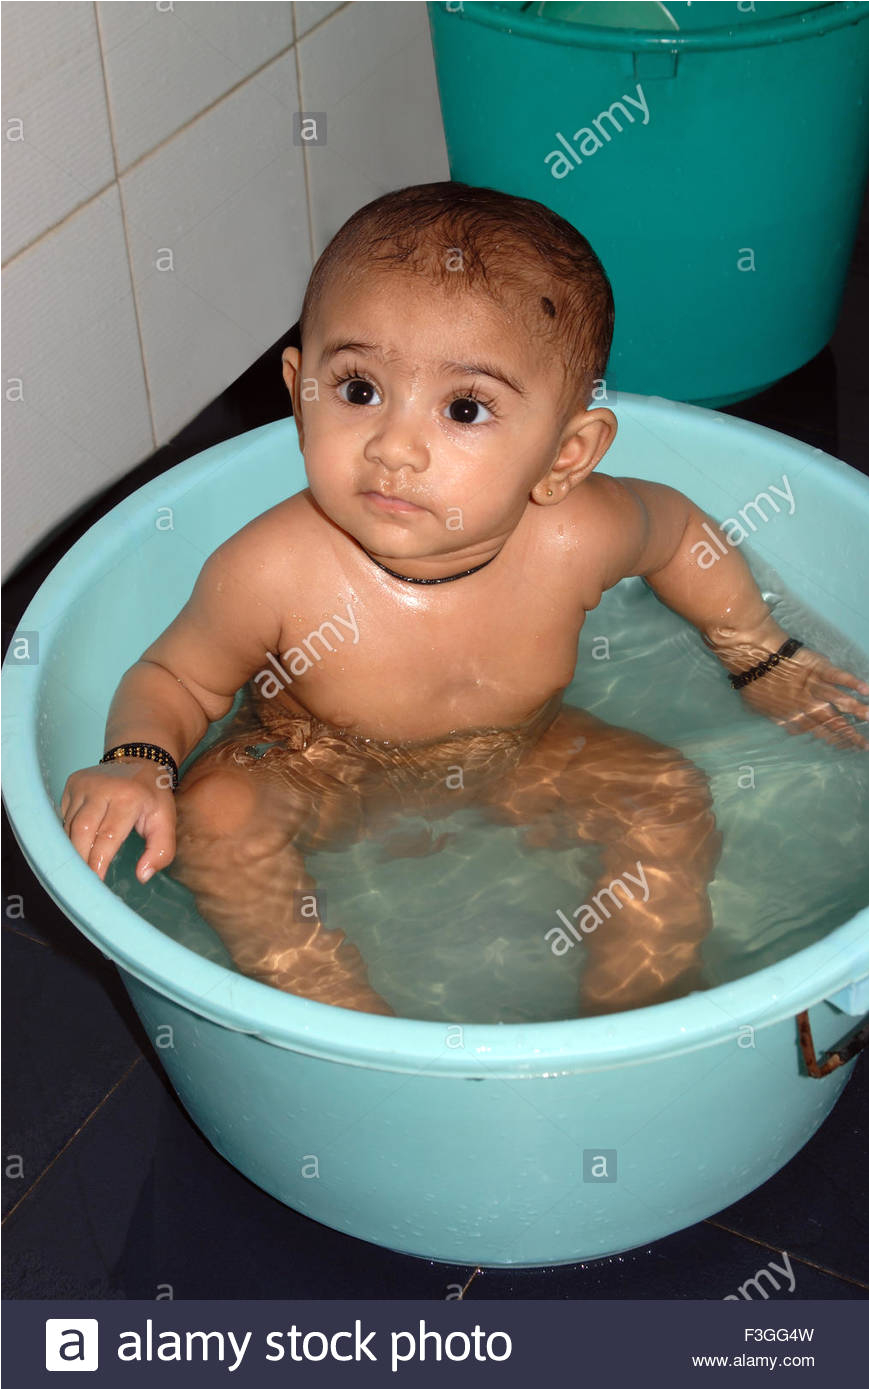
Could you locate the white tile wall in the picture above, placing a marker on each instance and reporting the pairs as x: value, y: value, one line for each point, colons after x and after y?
x: 70, y: 339
x: 151, y: 126
x: 371, y: 70
x: 166, y: 64
x: 308, y: 13
x: 53, y: 85
x: 226, y: 199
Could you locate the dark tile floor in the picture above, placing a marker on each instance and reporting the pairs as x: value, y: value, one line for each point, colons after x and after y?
x: 117, y: 1195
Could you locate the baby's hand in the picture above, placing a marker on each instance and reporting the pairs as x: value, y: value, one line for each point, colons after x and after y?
x: 101, y: 805
x: 801, y: 694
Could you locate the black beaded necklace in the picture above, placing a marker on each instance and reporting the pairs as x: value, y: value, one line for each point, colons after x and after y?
x: 444, y: 579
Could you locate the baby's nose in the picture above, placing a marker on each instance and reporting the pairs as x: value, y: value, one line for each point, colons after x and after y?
x: 399, y: 441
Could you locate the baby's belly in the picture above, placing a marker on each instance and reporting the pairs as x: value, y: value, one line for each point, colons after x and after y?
x: 429, y: 715
x: 426, y: 724
x: 341, y: 783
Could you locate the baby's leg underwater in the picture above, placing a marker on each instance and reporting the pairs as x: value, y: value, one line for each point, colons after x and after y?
x: 651, y: 811
x: 237, y: 853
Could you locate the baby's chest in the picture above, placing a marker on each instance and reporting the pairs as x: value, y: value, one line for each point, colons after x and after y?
x: 484, y: 660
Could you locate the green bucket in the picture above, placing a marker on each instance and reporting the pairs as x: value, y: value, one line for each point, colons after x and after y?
x: 722, y: 200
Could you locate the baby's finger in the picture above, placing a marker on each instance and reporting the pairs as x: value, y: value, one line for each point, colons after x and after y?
x: 109, y: 837
x: 816, y: 721
x: 98, y: 830
x: 69, y: 812
x: 159, y: 834
x: 833, y: 673
x: 794, y: 724
x: 71, y: 800
x: 845, y: 703
x: 83, y: 823
x: 835, y: 729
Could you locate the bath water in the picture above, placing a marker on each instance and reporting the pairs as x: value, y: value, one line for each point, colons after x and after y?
x: 459, y: 935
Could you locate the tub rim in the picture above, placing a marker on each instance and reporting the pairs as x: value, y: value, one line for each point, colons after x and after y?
x: 238, y: 1003
x: 803, y: 24
x: 521, y: 1050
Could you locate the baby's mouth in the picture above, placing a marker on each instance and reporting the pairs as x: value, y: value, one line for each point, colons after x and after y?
x: 388, y: 502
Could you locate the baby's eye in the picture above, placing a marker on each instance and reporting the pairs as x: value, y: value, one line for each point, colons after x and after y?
x: 464, y: 410
x: 359, y: 386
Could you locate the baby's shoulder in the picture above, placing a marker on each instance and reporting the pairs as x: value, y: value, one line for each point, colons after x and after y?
x: 282, y: 531
x: 598, y: 512
x: 272, y: 549
x: 597, y: 530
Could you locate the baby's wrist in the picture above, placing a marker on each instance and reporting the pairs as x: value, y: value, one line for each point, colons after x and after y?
x: 144, y: 753
x: 738, y: 647
x: 139, y: 764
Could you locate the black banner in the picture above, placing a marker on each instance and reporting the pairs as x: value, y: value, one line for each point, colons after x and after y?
x: 639, y: 1344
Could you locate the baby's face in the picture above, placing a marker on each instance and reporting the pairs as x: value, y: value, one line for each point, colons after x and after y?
x: 432, y: 420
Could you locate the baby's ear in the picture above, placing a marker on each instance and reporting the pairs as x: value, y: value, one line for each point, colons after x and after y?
x: 291, y: 360
x: 291, y: 366
x: 586, y: 440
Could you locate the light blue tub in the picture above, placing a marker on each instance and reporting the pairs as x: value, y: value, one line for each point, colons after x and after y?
x: 464, y: 1144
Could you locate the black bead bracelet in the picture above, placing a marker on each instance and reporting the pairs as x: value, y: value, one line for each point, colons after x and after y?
x: 152, y: 751
x: 787, y: 649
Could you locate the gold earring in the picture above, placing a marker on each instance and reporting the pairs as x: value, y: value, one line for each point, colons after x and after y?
x: 549, y: 492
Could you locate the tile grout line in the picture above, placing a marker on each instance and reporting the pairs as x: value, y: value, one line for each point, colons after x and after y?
x: 122, y: 173
x: 111, y: 1091
x: 765, y: 1245
x: 306, y: 172
x: 125, y: 232
x: 140, y: 159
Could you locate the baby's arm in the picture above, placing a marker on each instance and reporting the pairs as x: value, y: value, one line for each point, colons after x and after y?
x: 659, y: 533
x: 184, y: 681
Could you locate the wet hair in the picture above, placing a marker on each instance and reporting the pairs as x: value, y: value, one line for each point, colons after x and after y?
x: 516, y: 251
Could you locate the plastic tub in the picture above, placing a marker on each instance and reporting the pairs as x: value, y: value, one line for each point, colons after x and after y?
x: 725, y: 216
x: 460, y: 1143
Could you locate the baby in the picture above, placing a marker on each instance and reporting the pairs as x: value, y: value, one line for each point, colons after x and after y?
x: 406, y: 626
